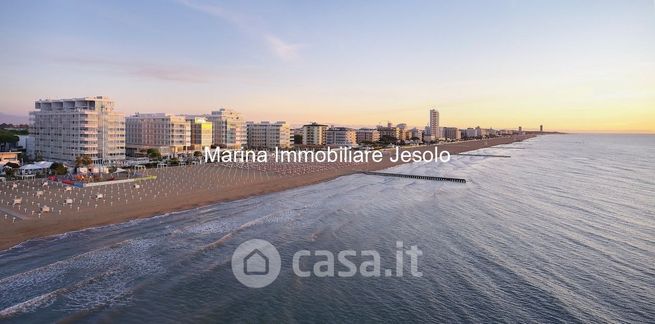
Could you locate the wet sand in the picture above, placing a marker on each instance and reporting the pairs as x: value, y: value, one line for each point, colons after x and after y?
x: 175, y: 189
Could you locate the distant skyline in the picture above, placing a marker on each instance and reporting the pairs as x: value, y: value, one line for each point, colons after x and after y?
x: 569, y: 65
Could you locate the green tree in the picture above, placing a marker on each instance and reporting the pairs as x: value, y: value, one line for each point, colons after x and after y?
x: 10, y: 172
x: 297, y: 139
x: 8, y: 137
x: 386, y: 139
x: 154, y: 154
x: 197, y: 153
x: 58, y: 168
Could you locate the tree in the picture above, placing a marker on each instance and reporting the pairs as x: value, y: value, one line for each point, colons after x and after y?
x: 12, y: 165
x: 197, y: 154
x: 175, y: 161
x: 83, y: 160
x: 10, y: 172
x: 58, y: 168
x: 154, y: 154
x: 297, y: 139
x: 8, y: 137
x: 387, y: 139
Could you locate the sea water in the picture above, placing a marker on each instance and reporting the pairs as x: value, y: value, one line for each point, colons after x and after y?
x: 562, y: 231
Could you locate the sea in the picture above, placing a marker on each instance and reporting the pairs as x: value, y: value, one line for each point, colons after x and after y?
x: 561, y: 230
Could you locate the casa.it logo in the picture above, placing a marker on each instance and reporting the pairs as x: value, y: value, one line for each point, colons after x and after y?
x: 256, y: 263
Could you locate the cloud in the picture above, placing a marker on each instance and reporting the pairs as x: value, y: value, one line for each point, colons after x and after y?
x: 279, y: 47
x: 180, y: 73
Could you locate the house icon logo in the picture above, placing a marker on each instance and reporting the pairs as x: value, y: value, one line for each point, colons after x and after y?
x: 256, y: 263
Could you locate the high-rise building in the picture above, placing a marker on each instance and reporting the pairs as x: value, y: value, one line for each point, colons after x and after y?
x: 229, y: 128
x: 64, y: 129
x: 168, y: 133
x: 367, y: 135
x: 314, y: 134
x: 435, y: 132
x: 201, y: 132
x: 268, y: 135
x: 341, y: 136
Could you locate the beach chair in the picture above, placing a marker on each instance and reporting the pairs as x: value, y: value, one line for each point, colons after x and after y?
x: 39, y: 193
x: 69, y: 201
x: 45, y: 209
x: 99, y: 196
x: 17, y: 201
x: 68, y: 189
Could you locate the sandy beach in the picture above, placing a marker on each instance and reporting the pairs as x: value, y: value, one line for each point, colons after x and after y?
x: 176, y: 188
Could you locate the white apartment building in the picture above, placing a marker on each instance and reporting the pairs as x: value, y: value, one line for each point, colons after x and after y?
x: 266, y: 135
x: 168, y: 133
x: 229, y: 128
x: 201, y: 132
x: 66, y: 128
x: 367, y: 135
x: 314, y: 134
x: 341, y: 136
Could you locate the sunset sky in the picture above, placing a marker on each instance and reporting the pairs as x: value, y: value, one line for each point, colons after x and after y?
x: 569, y: 65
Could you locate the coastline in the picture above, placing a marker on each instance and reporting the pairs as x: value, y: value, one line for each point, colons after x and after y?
x: 201, y: 192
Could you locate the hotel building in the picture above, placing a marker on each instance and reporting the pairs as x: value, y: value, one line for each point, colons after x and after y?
x: 389, y: 131
x: 168, y: 133
x: 266, y: 135
x: 367, y: 135
x: 66, y: 128
x: 229, y: 128
x: 201, y: 132
x: 314, y: 134
x: 341, y: 136
x: 452, y: 133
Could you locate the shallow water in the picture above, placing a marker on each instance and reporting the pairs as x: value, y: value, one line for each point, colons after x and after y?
x: 563, y: 231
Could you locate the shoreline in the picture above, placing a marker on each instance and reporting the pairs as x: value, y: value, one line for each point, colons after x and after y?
x: 198, y: 192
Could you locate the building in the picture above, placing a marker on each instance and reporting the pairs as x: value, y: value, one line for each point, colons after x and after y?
x: 435, y: 132
x: 367, y: 135
x: 470, y: 132
x: 9, y: 157
x: 541, y: 128
x: 201, y: 132
x: 168, y: 133
x: 417, y: 133
x: 452, y: 133
x: 64, y: 129
x: 389, y: 131
x: 314, y: 134
x: 341, y: 136
x: 26, y: 142
x: 229, y: 128
x: 266, y: 135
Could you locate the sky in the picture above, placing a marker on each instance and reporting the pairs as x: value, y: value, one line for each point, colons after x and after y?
x: 571, y: 65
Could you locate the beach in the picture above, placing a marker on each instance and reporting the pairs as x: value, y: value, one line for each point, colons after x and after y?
x: 174, y: 189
